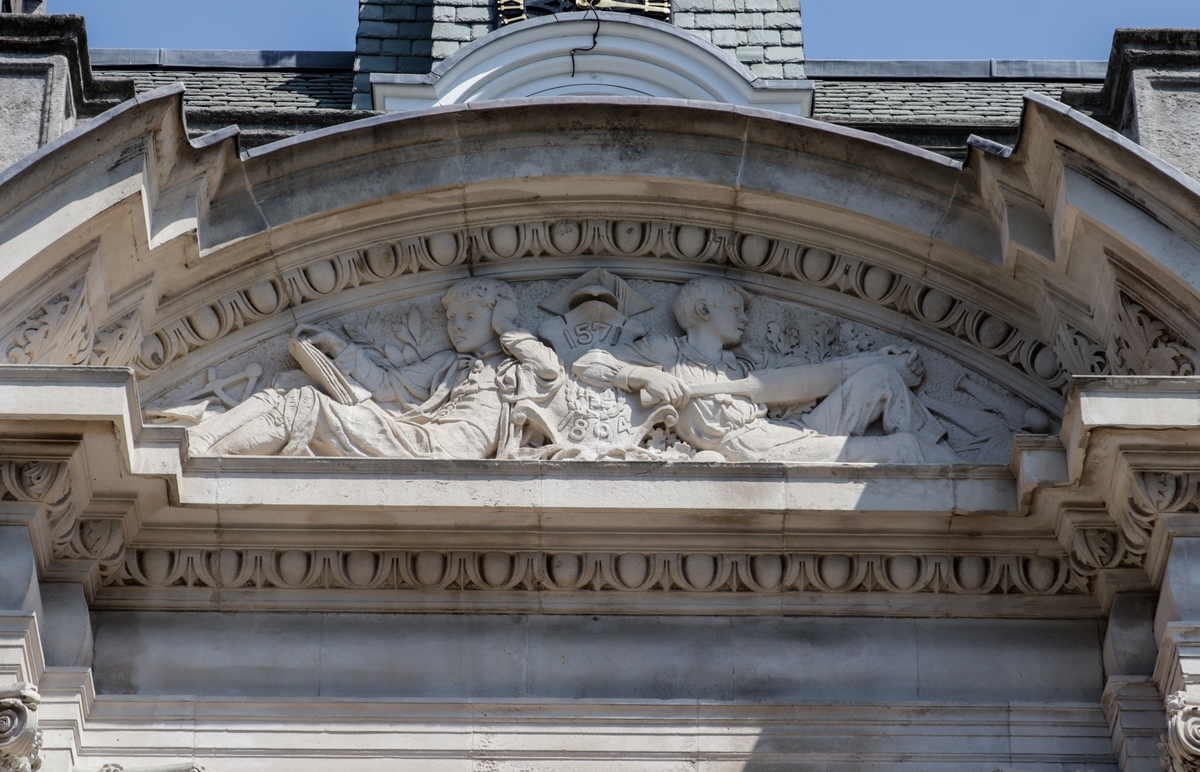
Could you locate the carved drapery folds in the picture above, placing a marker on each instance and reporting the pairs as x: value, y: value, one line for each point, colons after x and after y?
x: 597, y: 571
x: 1181, y: 751
x: 20, y: 740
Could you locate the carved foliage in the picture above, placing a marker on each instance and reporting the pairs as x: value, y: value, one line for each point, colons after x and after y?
x: 1141, y: 345
x: 1145, y: 346
x: 48, y: 483
x: 620, y: 572
x: 61, y: 331
x: 1153, y: 494
x: 20, y: 740
x: 1181, y: 751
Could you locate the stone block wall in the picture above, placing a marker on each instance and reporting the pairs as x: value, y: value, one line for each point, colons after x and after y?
x: 412, y: 36
x: 763, y: 34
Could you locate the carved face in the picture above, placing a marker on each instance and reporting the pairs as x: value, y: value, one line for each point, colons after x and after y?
x: 469, y: 324
x: 725, y: 317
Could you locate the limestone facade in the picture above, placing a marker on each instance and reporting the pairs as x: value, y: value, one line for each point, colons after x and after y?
x: 593, y: 431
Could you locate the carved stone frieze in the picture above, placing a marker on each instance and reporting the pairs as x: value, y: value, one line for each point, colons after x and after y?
x: 62, y: 331
x: 595, y: 383
x: 1181, y: 750
x: 596, y: 571
x: 20, y: 739
x: 845, y: 274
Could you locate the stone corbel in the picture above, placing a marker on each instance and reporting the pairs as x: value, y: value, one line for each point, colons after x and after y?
x: 20, y: 740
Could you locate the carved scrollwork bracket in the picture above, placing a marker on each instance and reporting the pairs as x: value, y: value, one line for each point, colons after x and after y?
x: 20, y: 740
x: 47, y: 483
x: 1152, y: 495
x: 1181, y: 750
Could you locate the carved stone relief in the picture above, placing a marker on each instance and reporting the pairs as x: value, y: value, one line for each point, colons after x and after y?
x: 878, y: 285
x: 596, y: 571
x: 1140, y: 345
x: 48, y: 484
x: 20, y: 740
x: 62, y: 331
x: 794, y: 386
x: 1181, y: 751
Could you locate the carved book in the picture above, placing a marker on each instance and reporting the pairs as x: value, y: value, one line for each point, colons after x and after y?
x: 327, y: 376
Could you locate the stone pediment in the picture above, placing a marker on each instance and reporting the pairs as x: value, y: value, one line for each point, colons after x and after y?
x: 194, y: 265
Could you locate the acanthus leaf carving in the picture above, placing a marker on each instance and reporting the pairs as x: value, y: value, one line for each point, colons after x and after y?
x: 1144, y: 345
x: 20, y: 739
x: 59, y: 331
x: 1079, y: 354
x: 62, y: 331
x: 48, y: 484
x: 1153, y: 494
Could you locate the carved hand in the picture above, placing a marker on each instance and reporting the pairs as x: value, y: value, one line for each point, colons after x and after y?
x: 325, y: 341
x: 907, y: 362
x: 504, y: 316
x: 661, y: 386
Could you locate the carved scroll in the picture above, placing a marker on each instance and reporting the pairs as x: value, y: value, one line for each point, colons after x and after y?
x: 1181, y: 751
x: 20, y: 740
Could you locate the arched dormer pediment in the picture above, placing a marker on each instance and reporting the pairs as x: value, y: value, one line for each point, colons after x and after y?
x: 589, y: 54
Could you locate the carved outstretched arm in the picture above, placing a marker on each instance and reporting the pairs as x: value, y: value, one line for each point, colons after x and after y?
x: 603, y: 370
x: 807, y: 383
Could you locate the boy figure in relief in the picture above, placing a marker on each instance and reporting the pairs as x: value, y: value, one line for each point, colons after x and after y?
x: 723, y: 391
x: 455, y: 404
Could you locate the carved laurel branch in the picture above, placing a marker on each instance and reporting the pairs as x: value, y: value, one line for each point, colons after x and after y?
x: 48, y: 484
x: 20, y: 740
x: 1181, y: 751
x: 597, y: 571
x: 61, y: 331
x: 568, y: 238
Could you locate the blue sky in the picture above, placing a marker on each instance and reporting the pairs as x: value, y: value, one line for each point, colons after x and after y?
x: 833, y: 29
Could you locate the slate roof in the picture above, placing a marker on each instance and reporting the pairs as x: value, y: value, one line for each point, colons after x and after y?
x: 932, y: 104
x: 944, y: 103
x: 269, y: 89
